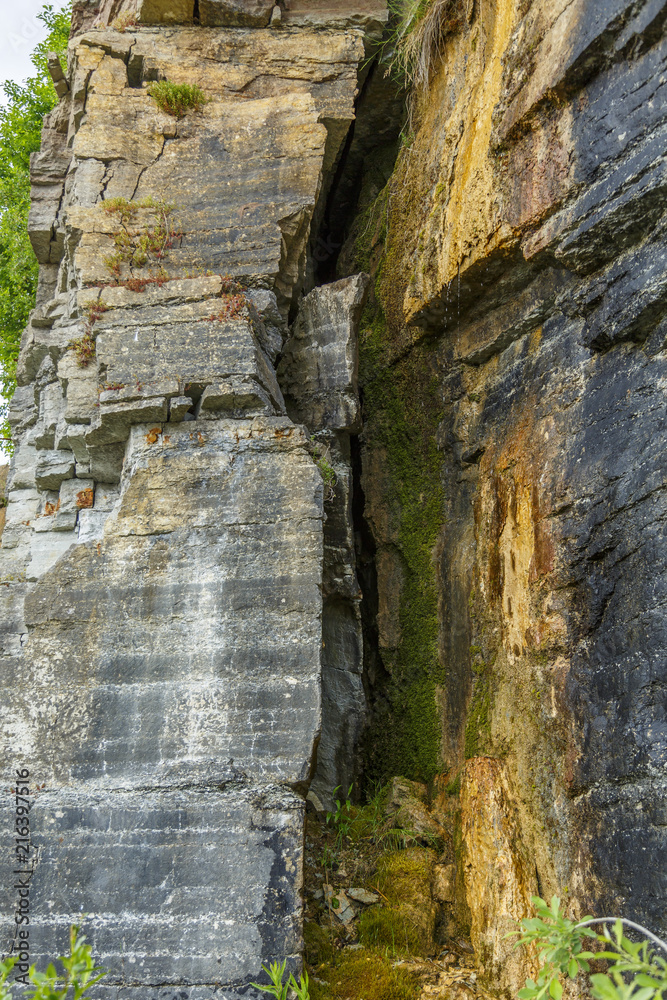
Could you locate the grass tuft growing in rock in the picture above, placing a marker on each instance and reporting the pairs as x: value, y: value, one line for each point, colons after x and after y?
x: 177, y: 98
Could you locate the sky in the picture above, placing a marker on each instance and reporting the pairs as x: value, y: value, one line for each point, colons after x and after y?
x: 19, y: 34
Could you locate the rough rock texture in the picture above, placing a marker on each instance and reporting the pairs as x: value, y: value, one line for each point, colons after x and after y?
x: 499, y: 877
x: 162, y: 557
x: 512, y: 373
x: 182, y: 584
x: 318, y: 375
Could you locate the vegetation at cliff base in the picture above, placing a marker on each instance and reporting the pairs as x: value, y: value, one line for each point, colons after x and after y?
x: 79, y: 973
x: 635, y: 971
x: 20, y: 129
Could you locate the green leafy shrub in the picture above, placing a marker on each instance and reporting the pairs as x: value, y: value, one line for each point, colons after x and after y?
x: 635, y: 971
x: 20, y: 132
x: 177, y: 98
x: 78, y: 976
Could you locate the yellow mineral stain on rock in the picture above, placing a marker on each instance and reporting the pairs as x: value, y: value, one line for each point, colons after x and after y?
x: 517, y: 547
x: 468, y: 227
x: 499, y: 878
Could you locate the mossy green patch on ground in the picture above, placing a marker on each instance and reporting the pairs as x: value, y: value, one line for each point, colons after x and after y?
x: 405, y: 876
x: 389, y: 930
x: 363, y: 975
x: 319, y: 944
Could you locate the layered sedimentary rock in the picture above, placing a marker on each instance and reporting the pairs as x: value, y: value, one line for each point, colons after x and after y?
x: 164, y: 558
x: 513, y: 382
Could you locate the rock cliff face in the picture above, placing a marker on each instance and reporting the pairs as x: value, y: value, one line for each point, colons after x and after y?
x: 512, y: 370
x: 233, y: 538
x: 166, y: 556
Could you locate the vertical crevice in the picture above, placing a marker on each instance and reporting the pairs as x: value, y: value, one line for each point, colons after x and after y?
x: 195, y: 13
x: 374, y: 670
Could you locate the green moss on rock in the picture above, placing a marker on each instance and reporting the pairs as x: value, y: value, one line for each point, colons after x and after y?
x: 402, y: 412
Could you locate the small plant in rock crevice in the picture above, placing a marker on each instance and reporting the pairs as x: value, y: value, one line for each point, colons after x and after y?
x: 340, y: 819
x: 413, y: 48
x: 136, y: 246
x: 84, y: 348
x: 321, y: 456
x: 280, y: 990
x: 177, y: 99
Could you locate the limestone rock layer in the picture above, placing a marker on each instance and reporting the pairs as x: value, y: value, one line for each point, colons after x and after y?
x: 164, y: 555
x: 513, y: 377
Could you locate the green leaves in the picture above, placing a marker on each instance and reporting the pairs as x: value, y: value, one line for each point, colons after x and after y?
x: 5, y: 968
x: 80, y: 974
x: 340, y: 819
x: 635, y: 972
x: 277, y: 988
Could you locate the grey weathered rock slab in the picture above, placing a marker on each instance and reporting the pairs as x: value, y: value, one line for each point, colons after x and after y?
x: 318, y: 369
x: 176, y: 884
x: 231, y: 498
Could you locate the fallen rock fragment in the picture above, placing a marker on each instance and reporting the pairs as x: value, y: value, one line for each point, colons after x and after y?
x: 364, y: 896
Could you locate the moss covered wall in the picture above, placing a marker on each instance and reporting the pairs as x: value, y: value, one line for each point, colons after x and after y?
x: 403, y: 489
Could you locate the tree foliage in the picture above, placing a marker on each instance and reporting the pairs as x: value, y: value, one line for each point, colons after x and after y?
x: 20, y: 129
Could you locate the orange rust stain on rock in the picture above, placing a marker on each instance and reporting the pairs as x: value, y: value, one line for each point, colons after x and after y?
x: 85, y: 498
x: 499, y: 877
x: 153, y: 435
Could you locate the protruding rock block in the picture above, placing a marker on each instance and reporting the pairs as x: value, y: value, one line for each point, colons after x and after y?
x: 318, y: 370
x: 191, y: 627
x: 176, y: 884
x: 165, y: 11
x: 235, y: 13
